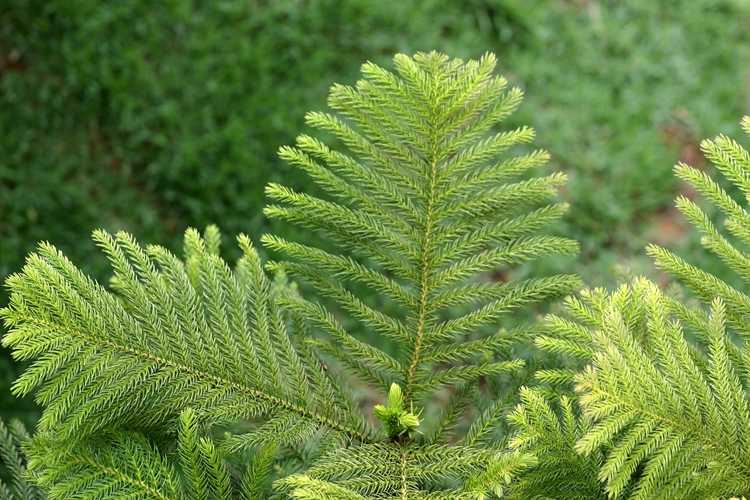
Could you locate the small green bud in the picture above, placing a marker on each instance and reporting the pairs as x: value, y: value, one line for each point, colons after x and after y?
x: 397, y: 421
x: 408, y: 421
x: 381, y: 412
x: 395, y: 397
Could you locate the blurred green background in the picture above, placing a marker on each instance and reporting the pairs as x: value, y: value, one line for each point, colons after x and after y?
x: 155, y: 116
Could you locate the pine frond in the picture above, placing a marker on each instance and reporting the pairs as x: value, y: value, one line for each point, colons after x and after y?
x: 499, y: 477
x: 128, y: 465
x: 425, y: 199
x: 481, y: 428
x: 725, y: 240
x: 388, y: 470
x: 671, y: 417
x: 550, y: 434
x: 172, y: 334
x: 205, y: 474
x: 119, y: 465
x: 569, y: 335
x: 445, y: 430
x: 666, y: 389
x: 421, y: 200
x: 306, y: 488
x: 257, y: 476
x: 15, y: 481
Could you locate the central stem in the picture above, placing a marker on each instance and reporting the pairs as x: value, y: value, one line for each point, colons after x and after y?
x: 424, y: 278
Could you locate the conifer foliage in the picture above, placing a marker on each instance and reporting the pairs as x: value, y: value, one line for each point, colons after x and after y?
x: 662, y: 387
x: 13, y: 464
x: 662, y: 397
x: 136, y: 379
x: 426, y: 199
x: 190, y: 379
x: 177, y: 336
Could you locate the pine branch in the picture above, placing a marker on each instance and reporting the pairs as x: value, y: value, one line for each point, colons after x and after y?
x: 13, y: 464
x: 175, y: 335
x: 256, y: 479
x: 689, y: 424
x: 550, y: 434
x: 128, y: 465
x: 664, y: 417
x: 120, y: 465
x: 206, y: 475
x: 396, y: 471
x: 733, y: 161
x: 425, y: 201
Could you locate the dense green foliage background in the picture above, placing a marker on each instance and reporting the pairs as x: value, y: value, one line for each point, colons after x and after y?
x: 154, y: 116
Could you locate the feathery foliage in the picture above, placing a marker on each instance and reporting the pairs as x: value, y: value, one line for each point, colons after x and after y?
x: 661, y: 386
x: 733, y: 161
x: 132, y: 379
x: 550, y: 433
x: 423, y: 201
x: 419, y: 207
x: 120, y: 465
x: 174, y: 334
x: 15, y: 482
x: 649, y: 399
x: 664, y: 397
x: 386, y: 470
x: 178, y: 344
x: 126, y: 464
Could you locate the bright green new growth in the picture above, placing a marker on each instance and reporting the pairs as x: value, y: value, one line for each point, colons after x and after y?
x: 665, y: 409
x: 135, y: 380
x: 425, y: 200
x: 179, y: 342
x: 177, y: 334
x: 398, y: 421
x: 733, y: 161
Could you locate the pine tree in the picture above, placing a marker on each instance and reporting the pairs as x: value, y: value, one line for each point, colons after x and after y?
x: 136, y: 380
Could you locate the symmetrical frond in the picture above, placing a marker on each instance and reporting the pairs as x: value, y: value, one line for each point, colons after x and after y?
x: 174, y: 334
x: 419, y: 207
x: 423, y: 202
